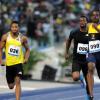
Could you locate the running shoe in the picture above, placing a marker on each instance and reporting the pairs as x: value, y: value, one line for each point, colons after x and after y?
x: 87, y: 97
x: 90, y: 97
x: 82, y: 81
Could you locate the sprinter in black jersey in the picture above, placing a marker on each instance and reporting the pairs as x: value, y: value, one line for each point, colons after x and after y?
x: 80, y: 49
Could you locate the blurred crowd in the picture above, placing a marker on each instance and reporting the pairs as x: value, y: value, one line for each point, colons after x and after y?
x: 44, y: 20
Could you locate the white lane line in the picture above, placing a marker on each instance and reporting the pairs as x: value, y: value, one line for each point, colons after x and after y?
x: 96, y: 79
x: 23, y: 88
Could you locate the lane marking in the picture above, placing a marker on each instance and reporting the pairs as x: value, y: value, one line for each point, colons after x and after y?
x: 23, y: 88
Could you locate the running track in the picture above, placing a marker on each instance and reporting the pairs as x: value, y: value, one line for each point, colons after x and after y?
x: 62, y: 93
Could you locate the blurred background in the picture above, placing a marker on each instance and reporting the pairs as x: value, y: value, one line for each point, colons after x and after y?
x: 47, y: 23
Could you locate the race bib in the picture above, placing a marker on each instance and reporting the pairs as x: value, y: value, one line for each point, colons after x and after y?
x: 82, y: 48
x: 14, y: 50
x: 94, y: 46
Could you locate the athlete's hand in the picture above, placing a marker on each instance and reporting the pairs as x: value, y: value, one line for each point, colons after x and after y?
x: 2, y: 63
x: 25, y: 61
x: 94, y: 25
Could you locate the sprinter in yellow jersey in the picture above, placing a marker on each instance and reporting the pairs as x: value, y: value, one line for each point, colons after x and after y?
x: 93, y: 57
x: 13, y: 42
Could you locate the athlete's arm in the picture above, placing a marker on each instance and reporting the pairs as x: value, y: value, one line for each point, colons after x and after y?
x: 95, y: 26
x: 2, y: 45
x: 68, y: 44
x: 27, y: 49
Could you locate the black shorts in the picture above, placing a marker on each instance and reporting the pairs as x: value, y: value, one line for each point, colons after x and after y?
x: 13, y: 71
x: 78, y: 66
x: 96, y: 59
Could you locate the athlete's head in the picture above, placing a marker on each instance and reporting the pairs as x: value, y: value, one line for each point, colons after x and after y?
x: 83, y: 21
x: 15, y: 27
x: 95, y: 16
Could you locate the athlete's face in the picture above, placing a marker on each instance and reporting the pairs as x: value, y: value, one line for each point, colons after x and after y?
x: 14, y: 28
x: 95, y: 16
x: 83, y: 22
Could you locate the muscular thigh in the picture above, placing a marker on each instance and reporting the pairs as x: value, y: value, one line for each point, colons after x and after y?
x: 12, y: 72
x: 75, y: 66
x: 84, y: 66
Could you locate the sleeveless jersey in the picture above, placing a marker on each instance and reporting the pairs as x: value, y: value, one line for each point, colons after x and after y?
x: 13, y: 50
x: 94, y: 39
x: 92, y: 30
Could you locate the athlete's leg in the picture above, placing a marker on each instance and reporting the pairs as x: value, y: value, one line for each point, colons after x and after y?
x: 10, y: 77
x: 90, y: 77
x: 91, y: 64
x: 75, y: 71
x: 19, y: 72
x: 76, y: 75
x: 85, y: 71
x: 11, y: 85
x: 18, y: 87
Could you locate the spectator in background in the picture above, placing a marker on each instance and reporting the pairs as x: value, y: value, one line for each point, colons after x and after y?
x: 31, y: 27
x: 1, y: 28
x: 46, y: 31
x: 40, y: 10
x: 23, y: 24
x: 39, y: 34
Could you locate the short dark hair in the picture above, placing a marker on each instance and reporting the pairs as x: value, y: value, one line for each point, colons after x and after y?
x: 96, y: 10
x: 83, y: 16
x: 16, y: 22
